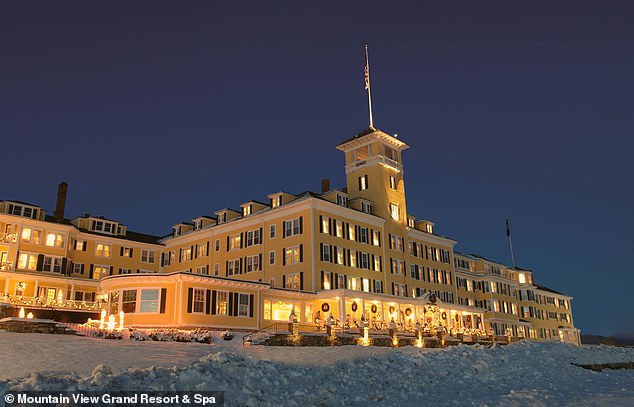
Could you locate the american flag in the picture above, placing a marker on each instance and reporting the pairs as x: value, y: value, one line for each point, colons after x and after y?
x: 367, y: 76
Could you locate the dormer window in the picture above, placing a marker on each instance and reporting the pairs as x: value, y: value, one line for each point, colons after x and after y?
x: 222, y: 218
x: 411, y: 222
x: 26, y: 211
x: 102, y: 226
x: 176, y: 230
x: 277, y: 201
x: 342, y: 200
x: 246, y: 211
x: 429, y: 228
x: 366, y: 207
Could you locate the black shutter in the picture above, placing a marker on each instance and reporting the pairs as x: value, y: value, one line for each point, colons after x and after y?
x: 163, y: 300
x: 235, y: 304
x: 380, y: 264
x: 331, y: 226
x: 131, y: 251
x: 207, y: 251
x: 335, y: 281
x: 284, y: 281
x: 227, y: 243
x: 321, y: 224
x: 301, y: 280
x: 331, y: 254
x: 391, y: 266
x: 90, y: 274
x: 389, y: 240
x: 379, y: 237
x: 406, y: 291
x: 207, y: 301
x: 111, y: 270
x: 301, y: 225
x: 190, y: 299
x: 82, y: 268
x: 251, y: 297
x: 121, y: 251
x: 241, y: 240
x: 196, y: 251
x: 357, y: 258
x: 240, y: 265
x: 83, y: 246
x: 40, y: 262
x: 283, y: 257
x: 64, y: 265
x: 392, y: 288
x: 372, y: 265
x: 284, y: 229
x: 321, y: 251
x: 356, y: 233
x: 213, y: 302
x: 180, y: 255
x: 119, y: 271
x: 162, y: 259
x: 322, y: 279
x: 359, y: 179
x: 345, y: 281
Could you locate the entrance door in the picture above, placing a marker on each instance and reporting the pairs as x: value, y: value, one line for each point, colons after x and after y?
x: 47, y: 294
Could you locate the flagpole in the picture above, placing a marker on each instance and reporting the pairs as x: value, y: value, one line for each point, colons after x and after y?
x: 367, y: 84
x: 508, y: 234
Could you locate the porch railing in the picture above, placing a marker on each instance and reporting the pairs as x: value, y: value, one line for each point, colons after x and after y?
x: 23, y: 301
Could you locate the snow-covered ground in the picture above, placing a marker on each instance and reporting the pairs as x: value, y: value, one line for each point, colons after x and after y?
x: 526, y: 373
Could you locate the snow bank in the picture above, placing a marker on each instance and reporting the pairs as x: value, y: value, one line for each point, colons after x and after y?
x: 521, y: 374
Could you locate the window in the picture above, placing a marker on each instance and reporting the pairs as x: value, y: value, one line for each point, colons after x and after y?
x: 429, y: 228
x: 340, y: 254
x: 147, y: 256
x: 325, y: 224
x: 78, y: 268
x: 54, y: 240
x: 246, y: 210
x: 361, y: 153
x: 354, y: 283
x: 277, y: 201
x: 364, y: 260
x: 327, y: 280
x: 222, y: 218
x: 396, y: 243
x: 198, y: 301
x: 377, y: 263
x: 363, y: 235
x: 100, y: 271
x: 272, y: 232
x: 398, y: 266
x: 186, y: 254
x: 378, y: 286
x: 31, y: 236
x: 23, y: 211
x: 399, y: 290
x: 243, y: 305
x: 390, y: 153
x: 292, y: 255
x: 292, y: 227
x: 411, y: 222
x: 366, y: 207
x: 27, y: 261
x: 352, y: 260
x: 253, y: 237
x: 338, y: 228
x: 125, y: 271
x: 293, y: 281
x: 375, y: 237
x: 394, y: 213
x: 217, y: 245
x: 128, y: 301
x: 126, y: 252
x: 203, y: 270
x: 342, y: 200
x: 352, y: 232
x: 235, y: 242
x: 80, y: 245
x: 325, y: 253
x: 101, y: 226
x: 53, y: 264
x: 363, y: 183
x: 202, y: 249
x: 149, y: 300
x: 253, y: 263
x: 392, y: 182
x: 271, y: 257
x: 233, y: 267
x: 216, y: 269
x: 221, y: 303
x: 103, y: 250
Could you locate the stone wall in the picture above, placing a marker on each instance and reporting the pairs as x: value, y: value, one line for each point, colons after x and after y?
x: 40, y: 326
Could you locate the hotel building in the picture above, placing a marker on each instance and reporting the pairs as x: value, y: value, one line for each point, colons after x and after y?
x: 349, y: 253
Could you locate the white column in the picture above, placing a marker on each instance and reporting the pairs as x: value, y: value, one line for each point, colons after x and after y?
x: 72, y: 292
x: 6, y: 285
x: 37, y: 287
x: 342, y: 308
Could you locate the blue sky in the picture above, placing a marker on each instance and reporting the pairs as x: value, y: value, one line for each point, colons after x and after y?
x: 158, y: 112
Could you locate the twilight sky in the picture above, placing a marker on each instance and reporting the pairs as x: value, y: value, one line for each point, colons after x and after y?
x: 159, y: 112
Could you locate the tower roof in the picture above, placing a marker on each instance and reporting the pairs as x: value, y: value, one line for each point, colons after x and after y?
x: 372, y: 133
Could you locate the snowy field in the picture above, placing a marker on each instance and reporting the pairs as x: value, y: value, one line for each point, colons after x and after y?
x: 522, y: 374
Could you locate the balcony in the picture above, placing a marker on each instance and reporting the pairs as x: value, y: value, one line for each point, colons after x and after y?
x: 36, y: 302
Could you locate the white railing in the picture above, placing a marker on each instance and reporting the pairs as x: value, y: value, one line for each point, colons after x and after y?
x: 23, y: 301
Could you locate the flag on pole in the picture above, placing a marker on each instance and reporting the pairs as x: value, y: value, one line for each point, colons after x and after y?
x: 367, y: 75
x: 508, y: 228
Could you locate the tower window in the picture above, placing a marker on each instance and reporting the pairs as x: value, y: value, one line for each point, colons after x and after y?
x: 392, y: 182
x: 394, y: 211
x: 363, y: 183
x: 361, y: 153
x: 390, y: 153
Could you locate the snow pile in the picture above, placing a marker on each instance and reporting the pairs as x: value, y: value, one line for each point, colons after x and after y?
x: 525, y: 373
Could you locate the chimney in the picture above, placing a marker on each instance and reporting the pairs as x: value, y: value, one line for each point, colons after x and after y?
x: 325, y: 185
x: 344, y: 189
x: 61, y: 201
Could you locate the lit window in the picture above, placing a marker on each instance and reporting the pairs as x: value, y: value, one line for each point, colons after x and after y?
x: 27, y: 261
x: 54, y: 240
x: 392, y: 182
x: 366, y: 207
x: 429, y: 228
x: 202, y: 250
x: 351, y: 232
x: 293, y: 281
x: 79, y: 245
x: 340, y: 251
x: 390, y: 153
x: 31, y: 235
x: 325, y: 224
x: 100, y: 271
x: 394, y: 211
x: 363, y: 183
x: 361, y: 153
x: 128, y: 301
x: 246, y: 210
x: 375, y: 237
x: 277, y: 201
x: 291, y: 255
x: 221, y: 303
x: 327, y: 281
x: 234, y: 242
x: 102, y: 250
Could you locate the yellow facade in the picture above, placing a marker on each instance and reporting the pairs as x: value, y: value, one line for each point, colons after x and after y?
x: 351, y: 254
